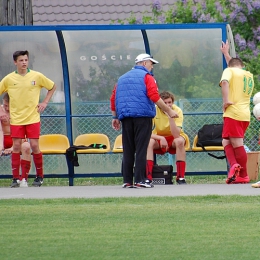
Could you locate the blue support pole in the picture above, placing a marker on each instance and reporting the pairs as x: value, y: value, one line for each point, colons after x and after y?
x: 146, y: 42
x: 65, y: 70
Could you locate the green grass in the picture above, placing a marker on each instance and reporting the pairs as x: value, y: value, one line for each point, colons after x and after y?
x: 199, y: 227
x: 114, y: 181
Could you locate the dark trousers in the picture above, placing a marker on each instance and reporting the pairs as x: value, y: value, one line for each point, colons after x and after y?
x: 136, y: 133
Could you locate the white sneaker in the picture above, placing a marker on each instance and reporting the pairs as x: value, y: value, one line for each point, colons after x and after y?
x: 23, y: 183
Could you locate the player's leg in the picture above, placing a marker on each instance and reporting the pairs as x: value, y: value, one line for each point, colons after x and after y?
x: 33, y: 133
x: 25, y: 163
x: 229, y: 130
x: 153, y: 144
x: 16, y: 162
x: 179, y: 144
x: 18, y: 133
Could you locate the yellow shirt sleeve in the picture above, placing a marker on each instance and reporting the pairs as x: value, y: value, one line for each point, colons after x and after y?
x: 226, y: 75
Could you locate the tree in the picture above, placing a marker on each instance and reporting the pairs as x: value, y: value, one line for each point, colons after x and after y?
x: 242, y: 15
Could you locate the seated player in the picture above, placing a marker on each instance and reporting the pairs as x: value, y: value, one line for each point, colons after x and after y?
x: 167, y: 137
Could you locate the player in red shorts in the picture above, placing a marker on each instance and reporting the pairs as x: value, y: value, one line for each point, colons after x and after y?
x: 6, y: 144
x: 167, y: 137
x: 24, y: 87
x: 237, y: 86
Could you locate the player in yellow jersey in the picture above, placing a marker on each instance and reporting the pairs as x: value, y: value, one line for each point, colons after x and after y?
x: 237, y: 86
x: 23, y: 87
x: 167, y: 137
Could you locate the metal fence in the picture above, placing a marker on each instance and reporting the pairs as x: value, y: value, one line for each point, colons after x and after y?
x: 95, y: 117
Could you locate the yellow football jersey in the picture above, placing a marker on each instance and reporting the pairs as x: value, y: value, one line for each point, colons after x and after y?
x: 24, y: 93
x: 241, y: 85
x: 161, y: 125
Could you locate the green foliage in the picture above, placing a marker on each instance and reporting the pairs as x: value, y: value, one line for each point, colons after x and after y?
x: 243, y: 17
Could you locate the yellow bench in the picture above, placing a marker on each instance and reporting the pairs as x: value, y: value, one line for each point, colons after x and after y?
x: 89, y: 139
x: 54, y: 144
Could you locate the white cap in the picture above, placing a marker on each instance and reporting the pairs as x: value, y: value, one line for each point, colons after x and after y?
x: 143, y: 57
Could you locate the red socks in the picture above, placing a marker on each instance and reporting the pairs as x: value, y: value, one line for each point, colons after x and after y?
x: 26, y: 166
x: 181, y: 167
x: 149, y: 170
x: 241, y: 158
x: 230, y: 154
x: 15, y: 162
x: 38, y: 161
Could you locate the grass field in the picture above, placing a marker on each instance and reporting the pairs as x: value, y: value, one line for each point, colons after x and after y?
x: 196, y: 228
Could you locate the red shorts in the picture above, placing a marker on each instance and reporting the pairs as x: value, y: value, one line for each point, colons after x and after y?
x: 171, y: 150
x: 234, y: 128
x: 8, y: 141
x: 26, y: 131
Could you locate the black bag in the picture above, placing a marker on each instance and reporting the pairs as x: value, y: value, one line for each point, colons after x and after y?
x: 72, y: 155
x: 162, y: 174
x: 210, y: 135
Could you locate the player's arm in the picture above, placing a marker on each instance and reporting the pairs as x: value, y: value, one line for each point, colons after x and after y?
x: 163, y: 142
x: 49, y: 94
x: 46, y: 100
x: 1, y: 138
x: 155, y: 136
x: 3, y: 89
x: 225, y: 91
x: 175, y: 130
x: 225, y: 50
x: 2, y: 114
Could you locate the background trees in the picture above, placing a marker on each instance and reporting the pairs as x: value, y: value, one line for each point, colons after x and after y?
x: 242, y: 15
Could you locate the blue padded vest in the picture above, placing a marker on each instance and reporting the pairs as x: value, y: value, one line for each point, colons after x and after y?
x: 131, y: 95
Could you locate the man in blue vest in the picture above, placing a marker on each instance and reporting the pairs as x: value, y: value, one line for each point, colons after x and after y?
x: 133, y: 105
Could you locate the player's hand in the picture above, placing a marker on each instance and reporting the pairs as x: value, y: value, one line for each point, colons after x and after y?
x: 41, y: 107
x: 7, y: 151
x: 226, y: 105
x: 163, y: 143
x: 224, y: 47
x: 172, y: 114
x: 4, y: 117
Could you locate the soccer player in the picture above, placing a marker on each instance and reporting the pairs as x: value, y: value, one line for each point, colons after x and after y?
x: 23, y: 87
x: 237, y: 86
x: 7, y: 144
x: 167, y: 137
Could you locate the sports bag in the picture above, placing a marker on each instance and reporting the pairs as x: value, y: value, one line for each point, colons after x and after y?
x: 71, y: 152
x: 210, y: 135
x: 162, y: 174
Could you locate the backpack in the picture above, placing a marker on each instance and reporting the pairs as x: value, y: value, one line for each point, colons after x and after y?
x: 210, y: 135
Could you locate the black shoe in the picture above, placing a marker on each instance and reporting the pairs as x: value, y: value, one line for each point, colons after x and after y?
x: 149, y: 182
x: 15, y: 183
x: 181, y: 181
x: 127, y: 185
x: 144, y: 184
x: 38, y: 181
